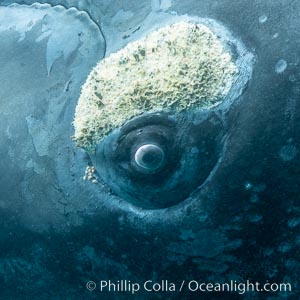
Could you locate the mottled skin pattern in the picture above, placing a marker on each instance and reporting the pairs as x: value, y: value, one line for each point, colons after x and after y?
x: 58, y: 231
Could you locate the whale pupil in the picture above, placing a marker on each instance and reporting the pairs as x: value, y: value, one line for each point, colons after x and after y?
x: 150, y: 157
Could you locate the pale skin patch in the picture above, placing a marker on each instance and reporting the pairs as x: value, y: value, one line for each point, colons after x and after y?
x: 178, y: 67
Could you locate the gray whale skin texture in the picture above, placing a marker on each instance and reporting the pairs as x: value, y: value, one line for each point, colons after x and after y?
x: 240, y: 220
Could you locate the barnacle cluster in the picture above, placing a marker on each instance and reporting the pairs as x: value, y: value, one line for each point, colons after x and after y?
x: 181, y: 66
x: 90, y: 174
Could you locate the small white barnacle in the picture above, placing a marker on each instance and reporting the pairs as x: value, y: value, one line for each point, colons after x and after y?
x: 90, y: 174
x: 178, y: 67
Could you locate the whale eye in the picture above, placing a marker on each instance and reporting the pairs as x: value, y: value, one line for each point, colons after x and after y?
x: 149, y: 158
x: 157, y: 160
x: 147, y: 113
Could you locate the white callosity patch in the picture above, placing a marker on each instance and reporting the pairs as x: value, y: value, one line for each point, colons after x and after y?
x: 89, y: 174
x: 281, y: 66
x: 263, y: 19
x: 180, y: 66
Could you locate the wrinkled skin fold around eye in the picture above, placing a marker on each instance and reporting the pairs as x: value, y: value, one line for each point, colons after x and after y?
x: 191, y: 153
x: 58, y: 231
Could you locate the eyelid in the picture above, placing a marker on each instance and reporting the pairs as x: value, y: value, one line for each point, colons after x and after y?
x: 161, y: 119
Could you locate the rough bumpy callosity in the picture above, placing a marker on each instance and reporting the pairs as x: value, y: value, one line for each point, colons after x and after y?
x: 181, y: 66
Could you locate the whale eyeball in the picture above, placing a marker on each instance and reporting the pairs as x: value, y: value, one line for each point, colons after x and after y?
x: 149, y: 157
